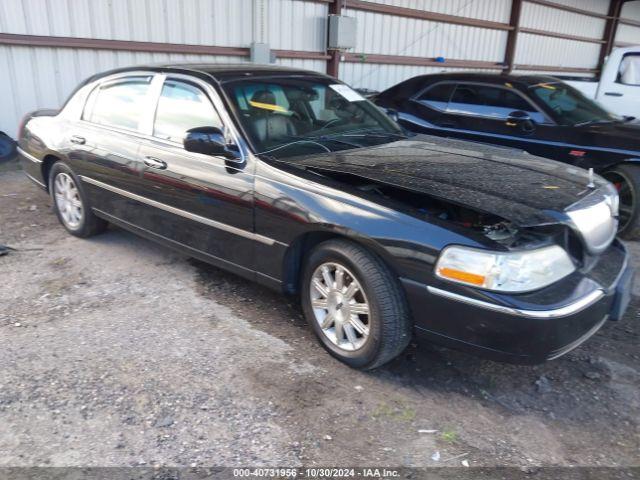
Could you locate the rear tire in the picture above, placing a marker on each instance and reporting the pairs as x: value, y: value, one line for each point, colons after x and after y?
x: 71, y: 204
x: 354, y: 304
x: 626, y: 178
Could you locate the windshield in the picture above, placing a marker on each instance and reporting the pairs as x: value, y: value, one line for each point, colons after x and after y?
x: 568, y: 106
x: 296, y: 116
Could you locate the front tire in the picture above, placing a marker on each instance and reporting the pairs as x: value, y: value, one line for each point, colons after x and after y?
x: 354, y: 304
x: 71, y: 204
x: 626, y: 179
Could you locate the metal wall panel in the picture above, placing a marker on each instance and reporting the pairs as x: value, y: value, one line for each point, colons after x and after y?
x: 494, y: 10
x: 296, y: 25
x: 629, y: 33
x: 545, y: 18
x: 422, y: 38
x: 539, y: 50
x: 206, y: 22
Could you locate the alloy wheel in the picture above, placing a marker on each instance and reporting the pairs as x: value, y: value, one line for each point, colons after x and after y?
x: 340, y: 306
x: 626, y: 196
x: 68, y: 202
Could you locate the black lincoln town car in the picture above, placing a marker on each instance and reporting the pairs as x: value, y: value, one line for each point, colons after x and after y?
x: 290, y: 178
x: 536, y: 113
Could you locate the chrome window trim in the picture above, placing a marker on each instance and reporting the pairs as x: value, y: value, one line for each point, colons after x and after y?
x: 156, y: 84
x: 183, y: 213
x: 228, y: 125
x: 567, y: 310
x: 416, y: 97
x: 35, y: 180
x: 549, y: 121
x: 113, y: 80
x: 28, y: 156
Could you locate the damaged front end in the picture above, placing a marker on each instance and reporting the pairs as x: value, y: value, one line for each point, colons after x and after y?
x: 516, y: 256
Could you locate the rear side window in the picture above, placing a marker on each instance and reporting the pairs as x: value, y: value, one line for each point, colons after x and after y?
x: 119, y: 104
x: 488, y: 101
x: 181, y: 107
x: 437, y: 96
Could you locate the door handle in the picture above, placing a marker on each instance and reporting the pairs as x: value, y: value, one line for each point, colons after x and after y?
x: 154, y: 162
x: 614, y: 94
x: 78, y: 140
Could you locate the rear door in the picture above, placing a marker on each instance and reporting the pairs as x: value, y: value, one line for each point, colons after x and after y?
x: 105, y: 141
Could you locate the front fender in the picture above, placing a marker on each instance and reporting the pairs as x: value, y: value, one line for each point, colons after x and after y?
x: 293, y: 203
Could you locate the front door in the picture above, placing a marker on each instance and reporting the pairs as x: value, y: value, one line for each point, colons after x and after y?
x: 485, y: 113
x: 199, y: 201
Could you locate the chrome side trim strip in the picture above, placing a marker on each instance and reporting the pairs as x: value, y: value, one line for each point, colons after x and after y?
x: 35, y: 180
x: 184, y: 213
x: 576, y: 343
x: 570, y: 309
x: 28, y: 156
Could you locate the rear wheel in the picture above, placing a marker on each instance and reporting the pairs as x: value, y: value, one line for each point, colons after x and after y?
x: 626, y: 179
x: 354, y: 305
x: 71, y: 204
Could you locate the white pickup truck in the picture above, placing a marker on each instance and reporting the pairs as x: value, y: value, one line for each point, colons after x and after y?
x: 618, y: 89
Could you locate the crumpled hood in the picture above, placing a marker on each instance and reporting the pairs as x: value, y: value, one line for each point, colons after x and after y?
x: 512, y: 184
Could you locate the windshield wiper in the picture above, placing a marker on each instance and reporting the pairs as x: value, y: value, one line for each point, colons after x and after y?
x: 279, y: 147
x: 378, y: 135
x: 332, y: 138
x: 593, y: 122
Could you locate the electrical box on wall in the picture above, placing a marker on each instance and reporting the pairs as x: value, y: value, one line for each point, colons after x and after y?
x: 342, y: 32
x: 260, y: 53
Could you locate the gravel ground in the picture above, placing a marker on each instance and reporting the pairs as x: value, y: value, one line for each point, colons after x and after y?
x: 119, y: 352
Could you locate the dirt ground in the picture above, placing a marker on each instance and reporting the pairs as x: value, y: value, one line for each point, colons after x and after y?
x: 117, y: 352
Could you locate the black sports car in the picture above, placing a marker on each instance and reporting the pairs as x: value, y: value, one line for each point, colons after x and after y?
x: 292, y: 179
x: 539, y: 114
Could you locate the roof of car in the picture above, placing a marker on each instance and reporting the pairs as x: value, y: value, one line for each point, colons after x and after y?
x: 409, y: 87
x: 219, y: 71
x: 526, y: 79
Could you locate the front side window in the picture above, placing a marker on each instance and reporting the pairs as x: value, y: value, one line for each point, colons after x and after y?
x: 181, y: 107
x: 488, y: 101
x: 568, y: 106
x: 437, y: 96
x: 284, y: 117
x: 120, y: 103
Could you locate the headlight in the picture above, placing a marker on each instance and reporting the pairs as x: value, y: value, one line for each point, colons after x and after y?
x: 504, y: 271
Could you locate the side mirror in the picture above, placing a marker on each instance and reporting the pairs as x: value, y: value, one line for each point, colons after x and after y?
x: 209, y: 141
x: 521, y: 120
x: 393, y: 115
